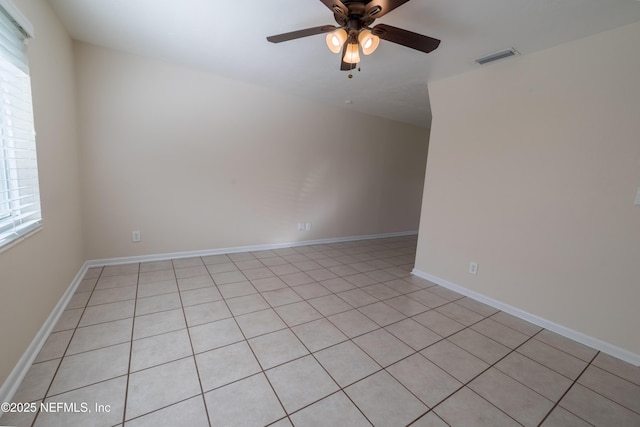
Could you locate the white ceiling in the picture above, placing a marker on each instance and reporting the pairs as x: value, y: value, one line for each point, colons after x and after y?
x: 228, y: 38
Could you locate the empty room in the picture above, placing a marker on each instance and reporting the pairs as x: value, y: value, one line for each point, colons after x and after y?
x: 319, y: 213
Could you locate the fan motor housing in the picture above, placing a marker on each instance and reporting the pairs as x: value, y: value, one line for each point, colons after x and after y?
x: 356, y: 19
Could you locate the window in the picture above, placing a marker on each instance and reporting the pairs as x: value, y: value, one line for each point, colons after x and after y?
x: 19, y: 192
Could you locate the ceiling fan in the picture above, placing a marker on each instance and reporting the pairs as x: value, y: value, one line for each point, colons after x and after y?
x: 355, y: 32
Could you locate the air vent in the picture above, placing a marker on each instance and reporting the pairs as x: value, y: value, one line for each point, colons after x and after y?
x: 497, y: 56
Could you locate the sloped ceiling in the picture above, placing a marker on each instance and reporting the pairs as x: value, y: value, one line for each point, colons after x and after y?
x: 228, y: 38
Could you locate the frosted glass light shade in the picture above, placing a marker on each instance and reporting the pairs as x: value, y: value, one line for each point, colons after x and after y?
x: 352, y: 55
x: 368, y: 41
x: 336, y: 39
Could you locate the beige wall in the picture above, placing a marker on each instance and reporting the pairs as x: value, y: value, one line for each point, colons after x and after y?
x: 198, y: 162
x: 35, y: 273
x: 532, y: 172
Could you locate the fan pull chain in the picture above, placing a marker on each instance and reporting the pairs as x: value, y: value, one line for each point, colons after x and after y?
x: 351, y: 75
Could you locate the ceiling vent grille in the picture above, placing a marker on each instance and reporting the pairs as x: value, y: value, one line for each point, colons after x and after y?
x: 497, y: 56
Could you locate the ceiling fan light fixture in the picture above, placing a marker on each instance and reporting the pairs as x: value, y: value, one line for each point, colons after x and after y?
x: 353, y: 31
x: 336, y: 39
x: 368, y: 41
x: 352, y: 54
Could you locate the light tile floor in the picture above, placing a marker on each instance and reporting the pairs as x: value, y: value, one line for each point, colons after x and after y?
x: 325, y: 335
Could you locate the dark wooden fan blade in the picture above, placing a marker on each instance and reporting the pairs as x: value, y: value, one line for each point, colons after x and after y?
x: 337, y: 7
x: 301, y: 33
x: 345, y: 66
x: 377, y: 8
x: 406, y: 38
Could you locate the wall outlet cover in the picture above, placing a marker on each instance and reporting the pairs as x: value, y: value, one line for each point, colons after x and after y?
x: 473, y: 268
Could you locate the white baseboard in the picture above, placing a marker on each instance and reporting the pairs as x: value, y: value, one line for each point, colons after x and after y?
x: 236, y: 249
x: 13, y: 381
x: 587, y: 340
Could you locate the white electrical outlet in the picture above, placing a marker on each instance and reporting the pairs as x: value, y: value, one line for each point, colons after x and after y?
x: 473, y: 267
x: 307, y: 226
x: 135, y: 236
x: 301, y: 226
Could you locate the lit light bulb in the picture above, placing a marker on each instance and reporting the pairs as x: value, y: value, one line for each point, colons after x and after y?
x: 352, y: 54
x: 336, y: 39
x: 368, y: 41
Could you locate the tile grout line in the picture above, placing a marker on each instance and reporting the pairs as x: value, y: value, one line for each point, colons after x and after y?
x: 262, y: 370
x: 340, y: 388
x: 313, y: 355
x: 466, y: 384
x: 193, y: 354
x: 84, y: 308
x: 133, y: 326
x: 325, y: 317
x: 431, y: 408
x: 567, y: 391
x: 590, y: 364
x: 556, y: 403
x: 349, y: 339
x: 75, y: 329
x: 381, y: 327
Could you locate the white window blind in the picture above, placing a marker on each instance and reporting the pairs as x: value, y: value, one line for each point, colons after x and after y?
x: 19, y: 192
